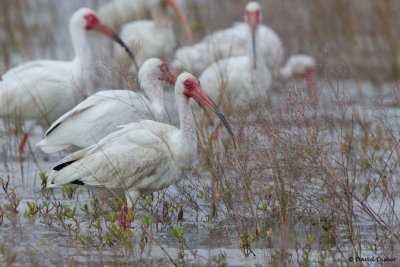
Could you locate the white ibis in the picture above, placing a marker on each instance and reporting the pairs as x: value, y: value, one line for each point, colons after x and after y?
x: 116, y: 13
x: 100, y: 114
x: 155, y: 38
x: 41, y: 91
x: 304, y: 66
x: 231, y: 42
x: 141, y: 157
x: 238, y: 81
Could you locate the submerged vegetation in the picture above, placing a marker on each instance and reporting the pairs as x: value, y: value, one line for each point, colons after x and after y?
x: 308, y: 185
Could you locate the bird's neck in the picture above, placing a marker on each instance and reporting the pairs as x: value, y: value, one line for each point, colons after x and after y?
x: 161, y: 17
x: 286, y: 71
x: 252, y: 48
x: 153, y: 90
x: 188, y: 126
x: 81, y: 46
x: 83, y: 72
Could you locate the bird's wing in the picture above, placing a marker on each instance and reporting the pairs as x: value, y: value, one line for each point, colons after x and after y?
x: 73, y: 112
x: 22, y: 68
x: 126, y: 98
x: 120, y: 160
x: 31, y: 81
x: 37, y: 66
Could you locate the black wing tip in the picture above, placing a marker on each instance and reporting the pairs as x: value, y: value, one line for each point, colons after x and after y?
x: 78, y: 182
x: 62, y: 165
x: 52, y: 129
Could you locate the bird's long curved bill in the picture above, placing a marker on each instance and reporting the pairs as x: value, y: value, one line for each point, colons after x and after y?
x: 253, y: 43
x: 100, y: 27
x: 181, y: 15
x: 127, y: 50
x: 253, y: 20
x: 202, y: 98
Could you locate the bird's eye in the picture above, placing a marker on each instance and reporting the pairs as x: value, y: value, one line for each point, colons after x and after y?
x: 187, y: 85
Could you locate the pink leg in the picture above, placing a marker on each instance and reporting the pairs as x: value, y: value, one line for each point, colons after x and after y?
x: 216, y: 133
x: 124, y: 218
x: 21, y: 146
x: 241, y: 132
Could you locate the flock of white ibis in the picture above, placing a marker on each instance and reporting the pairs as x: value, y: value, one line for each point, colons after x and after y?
x: 123, y: 138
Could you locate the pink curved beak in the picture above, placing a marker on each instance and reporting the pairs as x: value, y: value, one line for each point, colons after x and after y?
x: 203, y: 98
x: 181, y: 15
x: 253, y: 19
x: 104, y: 29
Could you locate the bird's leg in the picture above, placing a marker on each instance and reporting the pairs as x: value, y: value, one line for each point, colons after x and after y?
x: 21, y: 146
x: 241, y: 132
x: 125, y: 217
x: 312, y: 89
x: 126, y: 214
x: 216, y: 132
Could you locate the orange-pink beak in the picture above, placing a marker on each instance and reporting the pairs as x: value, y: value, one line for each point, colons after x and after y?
x: 253, y: 19
x: 181, y: 15
x: 94, y: 24
x: 203, y: 99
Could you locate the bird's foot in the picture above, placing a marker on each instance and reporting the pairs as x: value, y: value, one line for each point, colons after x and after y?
x: 125, y: 217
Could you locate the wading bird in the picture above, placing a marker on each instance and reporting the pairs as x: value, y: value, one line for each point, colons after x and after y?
x: 39, y: 92
x: 240, y: 83
x: 305, y: 67
x: 100, y: 114
x: 231, y: 42
x: 117, y: 13
x: 141, y: 157
x: 155, y: 38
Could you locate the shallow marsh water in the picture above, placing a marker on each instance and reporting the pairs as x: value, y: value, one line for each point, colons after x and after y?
x: 26, y: 241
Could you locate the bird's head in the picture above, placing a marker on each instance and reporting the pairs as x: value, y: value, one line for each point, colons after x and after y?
x: 154, y: 68
x: 252, y: 15
x: 304, y: 66
x: 87, y: 19
x: 189, y: 86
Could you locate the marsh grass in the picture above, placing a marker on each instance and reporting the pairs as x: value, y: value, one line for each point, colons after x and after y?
x: 311, y: 179
x: 307, y: 185
x: 360, y: 37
